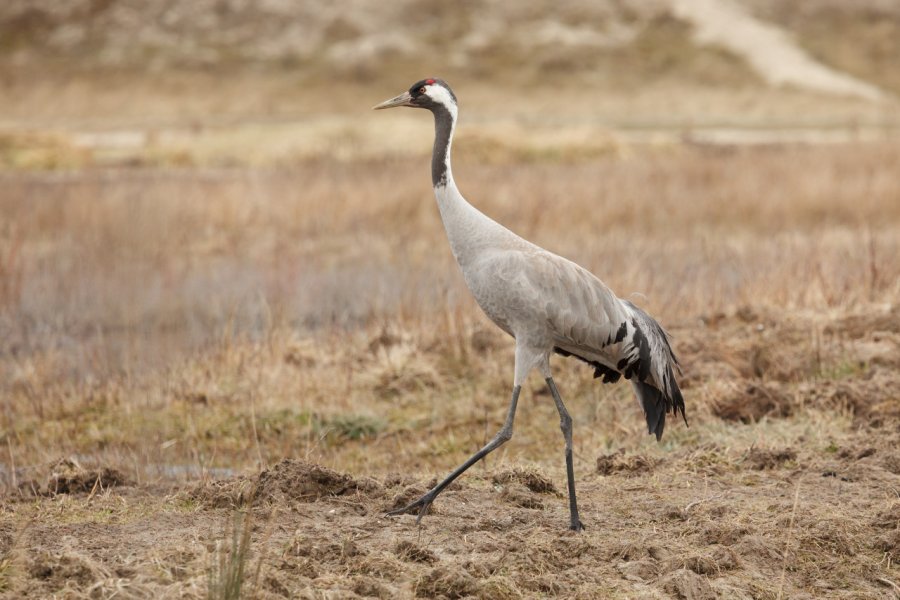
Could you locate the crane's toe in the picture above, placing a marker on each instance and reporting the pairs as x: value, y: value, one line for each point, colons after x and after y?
x: 423, y: 504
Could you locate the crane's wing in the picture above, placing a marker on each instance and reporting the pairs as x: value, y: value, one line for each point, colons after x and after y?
x: 580, y: 311
x: 614, y: 336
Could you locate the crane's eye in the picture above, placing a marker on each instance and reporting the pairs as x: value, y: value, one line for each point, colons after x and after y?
x: 422, y: 90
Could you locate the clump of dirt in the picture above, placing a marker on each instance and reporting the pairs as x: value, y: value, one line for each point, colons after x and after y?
x: 760, y: 459
x: 289, y: 480
x: 753, y: 402
x: 618, y: 462
x: 532, y: 479
x: 230, y: 493
x: 306, y: 482
x: 446, y: 582
x: 412, y: 552
x: 67, y: 476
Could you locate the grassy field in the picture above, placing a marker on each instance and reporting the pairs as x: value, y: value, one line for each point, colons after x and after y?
x: 232, y: 334
x: 182, y: 344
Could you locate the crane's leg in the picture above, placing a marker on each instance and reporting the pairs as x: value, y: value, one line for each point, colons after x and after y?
x: 503, y: 436
x: 565, y: 423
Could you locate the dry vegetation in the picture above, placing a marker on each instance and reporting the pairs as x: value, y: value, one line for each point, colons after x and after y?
x: 232, y: 335
x: 166, y: 328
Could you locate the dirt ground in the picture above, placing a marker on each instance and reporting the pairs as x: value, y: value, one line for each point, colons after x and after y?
x: 704, y: 523
x: 784, y: 486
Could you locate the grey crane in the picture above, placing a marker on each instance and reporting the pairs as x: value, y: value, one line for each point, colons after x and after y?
x: 547, y: 303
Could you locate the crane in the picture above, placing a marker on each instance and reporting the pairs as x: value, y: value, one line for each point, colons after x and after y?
x: 548, y: 304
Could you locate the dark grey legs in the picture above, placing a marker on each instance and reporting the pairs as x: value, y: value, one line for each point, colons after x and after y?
x: 565, y: 423
x: 502, y: 437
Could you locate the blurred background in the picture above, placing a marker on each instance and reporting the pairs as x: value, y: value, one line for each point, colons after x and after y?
x: 182, y: 178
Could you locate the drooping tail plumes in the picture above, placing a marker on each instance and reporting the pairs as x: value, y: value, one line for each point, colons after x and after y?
x: 656, y: 405
x: 651, y: 366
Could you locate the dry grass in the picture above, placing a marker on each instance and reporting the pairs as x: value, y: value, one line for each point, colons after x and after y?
x: 126, y: 262
x: 176, y: 326
x: 227, y: 289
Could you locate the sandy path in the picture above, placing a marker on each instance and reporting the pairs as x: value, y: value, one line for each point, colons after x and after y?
x: 767, y: 48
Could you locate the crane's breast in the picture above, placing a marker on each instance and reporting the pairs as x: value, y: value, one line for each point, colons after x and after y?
x: 501, y: 287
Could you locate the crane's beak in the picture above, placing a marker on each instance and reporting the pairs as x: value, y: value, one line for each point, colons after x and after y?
x: 403, y: 99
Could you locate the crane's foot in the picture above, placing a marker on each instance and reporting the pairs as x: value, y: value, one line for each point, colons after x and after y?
x: 423, y: 504
x: 576, y: 525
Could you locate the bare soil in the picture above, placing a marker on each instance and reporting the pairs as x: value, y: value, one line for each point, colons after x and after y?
x: 705, y: 523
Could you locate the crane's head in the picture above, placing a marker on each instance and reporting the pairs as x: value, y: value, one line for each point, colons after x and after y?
x: 432, y: 94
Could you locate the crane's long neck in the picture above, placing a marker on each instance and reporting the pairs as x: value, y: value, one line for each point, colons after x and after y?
x: 444, y: 125
x: 468, y: 230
